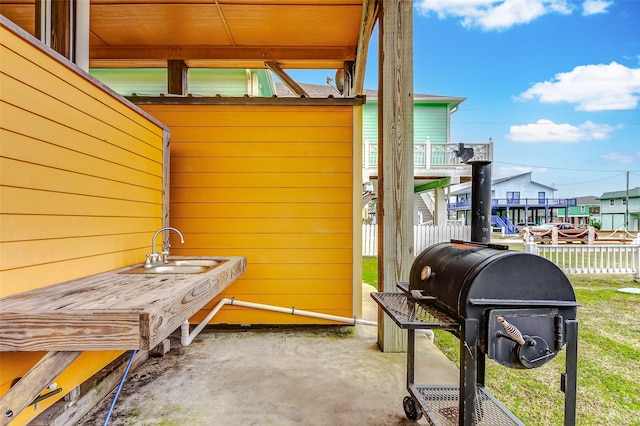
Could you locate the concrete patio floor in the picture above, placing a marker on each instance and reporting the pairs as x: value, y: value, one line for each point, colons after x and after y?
x: 276, y: 376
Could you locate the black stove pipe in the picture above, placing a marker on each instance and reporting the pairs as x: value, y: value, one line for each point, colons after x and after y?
x: 481, y: 201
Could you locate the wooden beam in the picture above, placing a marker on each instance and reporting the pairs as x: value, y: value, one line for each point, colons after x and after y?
x: 265, y: 53
x: 433, y: 185
x: 286, y: 79
x: 28, y: 388
x: 367, y: 23
x: 244, y: 100
x: 177, y: 77
x: 395, y: 171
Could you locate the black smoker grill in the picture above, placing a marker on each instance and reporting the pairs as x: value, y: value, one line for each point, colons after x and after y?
x: 516, y: 308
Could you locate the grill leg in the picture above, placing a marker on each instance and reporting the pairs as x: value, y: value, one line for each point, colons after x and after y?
x: 468, y: 372
x: 411, y: 352
x: 571, y: 377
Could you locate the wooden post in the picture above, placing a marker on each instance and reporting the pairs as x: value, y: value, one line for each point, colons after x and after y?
x: 177, y: 81
x: 54, y: 25
x: 395, y: 167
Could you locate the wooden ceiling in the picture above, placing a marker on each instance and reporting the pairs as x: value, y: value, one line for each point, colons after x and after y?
x: 297, y: 34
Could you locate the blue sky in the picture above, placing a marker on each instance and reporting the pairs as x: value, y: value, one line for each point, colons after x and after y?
x: 555, y: 83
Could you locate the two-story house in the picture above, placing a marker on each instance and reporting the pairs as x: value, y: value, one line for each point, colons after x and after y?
x: 586, y: 210
x: 514, y: 199
x: 617, y: 212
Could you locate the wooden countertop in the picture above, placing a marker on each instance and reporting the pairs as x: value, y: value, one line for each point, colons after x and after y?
x: 110, y: 310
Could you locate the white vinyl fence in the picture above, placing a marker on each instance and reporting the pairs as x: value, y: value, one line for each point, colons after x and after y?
x: 423, y: 236
x: 571, y: 258
x: 593, y: 258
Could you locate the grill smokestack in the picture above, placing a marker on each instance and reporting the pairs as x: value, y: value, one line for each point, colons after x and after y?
x: 481, y: 202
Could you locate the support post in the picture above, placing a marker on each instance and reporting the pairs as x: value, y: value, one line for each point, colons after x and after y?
x: 63, y: 25
x: 177, y: 77
x: 395, y: 168
x: 570, y: 387
x: 468, y: 372
x: 440, y: 213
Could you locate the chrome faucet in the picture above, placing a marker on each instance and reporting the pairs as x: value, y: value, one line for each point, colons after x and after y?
x: 163, y: 256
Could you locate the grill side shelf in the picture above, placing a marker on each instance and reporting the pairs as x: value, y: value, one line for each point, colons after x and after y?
x: 410, y: 314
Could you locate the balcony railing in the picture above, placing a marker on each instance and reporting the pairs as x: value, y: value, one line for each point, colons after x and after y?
x: 519, y: 203
x: 429, y: 155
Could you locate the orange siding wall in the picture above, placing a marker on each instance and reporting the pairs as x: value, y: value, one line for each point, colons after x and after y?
x: 274, y: 184
x: 81, y: 180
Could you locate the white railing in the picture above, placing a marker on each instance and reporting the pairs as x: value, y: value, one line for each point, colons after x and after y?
x: 428, y: 155
x: 423, y: 236
x: 593, y: 258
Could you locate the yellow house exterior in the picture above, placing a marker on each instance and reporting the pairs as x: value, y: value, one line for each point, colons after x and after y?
x: 276, y: 181
x: 81, y: 186
x: 85, y: 183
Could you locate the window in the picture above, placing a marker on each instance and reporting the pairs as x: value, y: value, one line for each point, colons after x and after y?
x: 513, y: 197
x: 624, y: 201
x: 582, y: 209
x: 541, y: 197
x: 612, y: 202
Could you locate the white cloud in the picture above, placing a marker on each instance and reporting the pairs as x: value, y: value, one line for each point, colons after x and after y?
x: 493, y: 14
x: 621, y: 158
x: 544, y: 131
x: 594, y: 7
x: 591, y: 87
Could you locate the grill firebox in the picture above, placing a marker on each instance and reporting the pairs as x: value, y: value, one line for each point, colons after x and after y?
x: 507, y: 292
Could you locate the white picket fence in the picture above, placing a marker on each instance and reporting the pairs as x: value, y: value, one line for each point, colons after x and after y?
x: 571, y: 258
x: 423, y: 236
x: 593, y: 258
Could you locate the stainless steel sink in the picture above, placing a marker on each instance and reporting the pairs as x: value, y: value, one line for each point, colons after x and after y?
x: 178, y: 266
x: 195, y: 262
x: 175, y: 269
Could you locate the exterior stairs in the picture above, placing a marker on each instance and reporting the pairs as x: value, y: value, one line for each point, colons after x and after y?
x: 423, y: 210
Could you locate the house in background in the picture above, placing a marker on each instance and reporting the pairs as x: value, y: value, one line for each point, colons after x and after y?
x: 514, y: 199
x: 616, y: 212
x: 199, y: 81
x: 436, y: 164
x: 586, y: 211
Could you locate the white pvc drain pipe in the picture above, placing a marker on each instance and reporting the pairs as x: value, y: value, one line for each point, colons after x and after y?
x: 187, y: 337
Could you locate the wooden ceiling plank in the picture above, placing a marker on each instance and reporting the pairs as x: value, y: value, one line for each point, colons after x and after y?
x: 225, y: 23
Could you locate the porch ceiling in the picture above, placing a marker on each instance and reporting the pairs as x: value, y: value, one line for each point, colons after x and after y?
x: 304, y: 34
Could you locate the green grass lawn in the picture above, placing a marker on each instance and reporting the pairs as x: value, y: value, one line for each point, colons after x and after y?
x: 608, y: 360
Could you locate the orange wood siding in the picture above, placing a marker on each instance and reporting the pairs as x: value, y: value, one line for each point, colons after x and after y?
x: 81, y: 173
x: 274, y: 184
x: 81, y: 179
